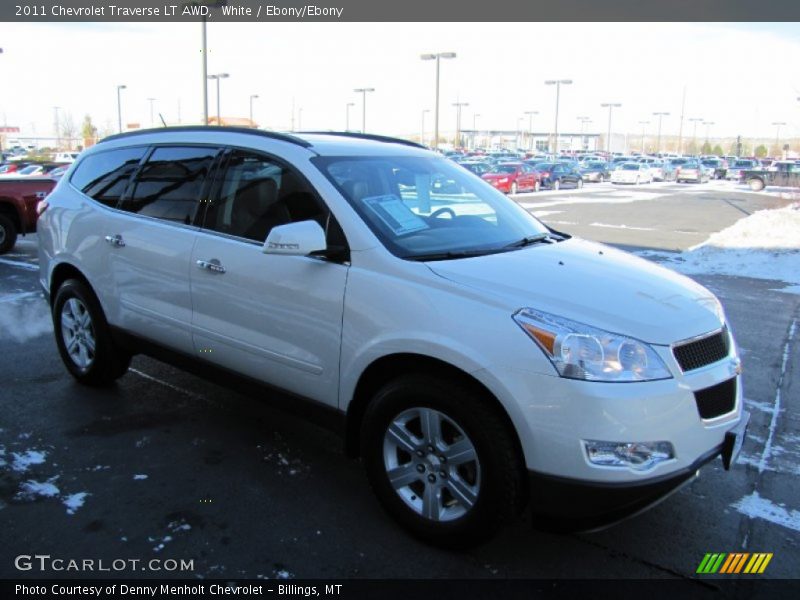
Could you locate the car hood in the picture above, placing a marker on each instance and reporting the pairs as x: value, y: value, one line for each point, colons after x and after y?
x: 594, y: 284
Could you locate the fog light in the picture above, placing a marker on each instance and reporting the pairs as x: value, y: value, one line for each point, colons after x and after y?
x: 639, y: 456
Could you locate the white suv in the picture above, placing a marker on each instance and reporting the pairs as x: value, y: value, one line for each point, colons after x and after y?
x: 477, y: 360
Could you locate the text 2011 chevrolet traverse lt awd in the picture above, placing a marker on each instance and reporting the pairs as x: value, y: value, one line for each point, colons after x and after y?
x: 477, y: 360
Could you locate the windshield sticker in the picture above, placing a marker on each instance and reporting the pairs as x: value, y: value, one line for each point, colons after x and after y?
x: 395, y: 214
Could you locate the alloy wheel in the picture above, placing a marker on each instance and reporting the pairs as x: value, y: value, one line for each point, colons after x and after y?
x: 77, y: 331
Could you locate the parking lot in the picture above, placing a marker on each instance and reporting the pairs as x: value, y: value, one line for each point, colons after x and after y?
x: 165, y: 465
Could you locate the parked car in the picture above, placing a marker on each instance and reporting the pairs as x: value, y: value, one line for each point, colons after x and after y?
x: 511, y: 178
x: 557, y: 175
x: 632, y: 172
x: 692, y: 170
x: 467, y: 352
x: 65, y: 157
x: 715, y: 167
x: 657, y: 169
x: 18, y: 207
x: 743, y: 164
x: 786, y: 173
x: 12, y: 168
x: 595, y: 171
x: 479, y: 168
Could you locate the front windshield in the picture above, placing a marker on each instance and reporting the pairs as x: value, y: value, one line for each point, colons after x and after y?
x: 630, y: 167
x: 419, y: 206
x: 504, y: 169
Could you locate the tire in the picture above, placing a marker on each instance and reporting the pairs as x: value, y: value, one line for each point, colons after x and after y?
x: 557, y: 184
x: 756, y: 185
x: 84, y: 338
x: 537, y: 186
x: 514, y: 187
x: 8, y: 234
x: 471, y: 499
x: 579, y: 184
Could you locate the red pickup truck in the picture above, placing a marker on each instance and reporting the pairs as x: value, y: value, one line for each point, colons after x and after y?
x: 18, y: 200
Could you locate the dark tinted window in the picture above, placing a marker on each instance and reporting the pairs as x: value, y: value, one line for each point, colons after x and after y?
x: 170, y: 183
x: 256, y: 194
x: 104, y: 176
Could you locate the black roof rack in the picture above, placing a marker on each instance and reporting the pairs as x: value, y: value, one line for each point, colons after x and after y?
x: 367, y: 136
x: 284, y: 137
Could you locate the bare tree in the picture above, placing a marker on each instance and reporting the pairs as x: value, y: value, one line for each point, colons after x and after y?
x: 69, y: 131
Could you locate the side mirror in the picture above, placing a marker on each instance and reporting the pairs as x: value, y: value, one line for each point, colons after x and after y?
x: 295, y: 239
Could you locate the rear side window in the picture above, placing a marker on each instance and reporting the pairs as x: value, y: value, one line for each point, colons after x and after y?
x: 169, y: 184
x: 104, y: 176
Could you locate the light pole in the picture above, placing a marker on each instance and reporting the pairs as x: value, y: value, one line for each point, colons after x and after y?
x: 530, y: 114
x: 119, y: 105
x: 252, y: 97
x: 557, y: 83
x: 459, y: 106
x: 610, y: 106
x: 218, y: 76
x: 363, y: 92
x: 778, y: 124
x: 660, y: 115
x: 300, y: 119
x: 347, y: 115
x: 475, y: 130
x: 695, y: 121
x: 437, y: 57
x: 151, y: 100
x: 422, y: 126
x: 643, y: 124
x: 58, y: 128
x: 583, y: 121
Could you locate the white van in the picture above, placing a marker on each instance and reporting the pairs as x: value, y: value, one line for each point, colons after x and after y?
x: 475, y: 359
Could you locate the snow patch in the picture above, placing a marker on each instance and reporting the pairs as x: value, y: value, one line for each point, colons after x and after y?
x: 74, y: 501
x: 139, y: 477
x: 21, y: 322
x: 31, y: 490
x: 22, y: 462
x: 756, y: 507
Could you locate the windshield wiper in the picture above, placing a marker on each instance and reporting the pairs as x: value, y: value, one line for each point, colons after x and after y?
x: 451, y: 254
x: 529, y: 240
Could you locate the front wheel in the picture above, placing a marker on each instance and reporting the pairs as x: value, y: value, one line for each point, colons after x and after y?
x: 83, y: 336
x: 514, y: 187
x: 537, y: 186
x: 756, y: 185
x: 441, y: 460
x: 8, y: 234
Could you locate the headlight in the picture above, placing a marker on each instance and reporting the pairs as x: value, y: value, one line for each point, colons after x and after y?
x: 580, y: 351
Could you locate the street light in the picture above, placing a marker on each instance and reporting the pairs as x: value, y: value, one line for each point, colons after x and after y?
x: 475, y: 129
x: 363, y: 92
x: 530, y: 114
x: 557, y: 83
x: 437, y: 57
x: 610, y: 106
x: 347, y: 115
x: 151, y: 100
x: 422, y: 127
x: 643, y: 124
x: 708, y: 124
x: 119, y: 105
x: 58, y: 128
x: 218, y: 76
x: 660, y: 115
x: 252, y: 97
x: 695, y: 120
x: 583, y: 121
x: 300, y: 119
x: 459, y: 106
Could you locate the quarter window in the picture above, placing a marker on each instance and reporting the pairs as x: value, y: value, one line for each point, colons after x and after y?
x: 169, y: 185
x: 104, y: 176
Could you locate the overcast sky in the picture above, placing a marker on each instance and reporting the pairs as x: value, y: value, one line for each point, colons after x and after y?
x: 742, y: 77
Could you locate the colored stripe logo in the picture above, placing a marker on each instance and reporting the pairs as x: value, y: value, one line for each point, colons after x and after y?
x: 734, y: 563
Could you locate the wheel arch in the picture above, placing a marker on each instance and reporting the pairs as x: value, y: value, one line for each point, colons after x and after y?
x: 9, y: 208
x: 61, y: 273
x: 388, y: 367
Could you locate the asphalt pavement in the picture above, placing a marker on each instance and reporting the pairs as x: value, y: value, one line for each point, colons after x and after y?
x: 165, y: 465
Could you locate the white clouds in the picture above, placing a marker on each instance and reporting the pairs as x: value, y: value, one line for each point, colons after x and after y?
x: 500, y: 71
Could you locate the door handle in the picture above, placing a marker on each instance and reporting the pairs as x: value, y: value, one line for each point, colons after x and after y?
x: 211, y: 265
x: 115, y: 240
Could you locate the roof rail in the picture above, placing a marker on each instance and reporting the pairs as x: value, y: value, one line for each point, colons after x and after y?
x: 367, y: 136
x: 284, y: 137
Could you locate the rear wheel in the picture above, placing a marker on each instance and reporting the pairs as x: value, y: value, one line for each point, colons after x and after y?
x: 441, y: 461
x: 8, y: 234
x: 84, y: 338
x: 756, y: 185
